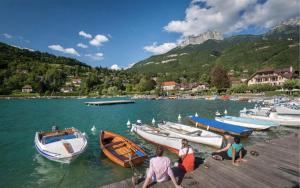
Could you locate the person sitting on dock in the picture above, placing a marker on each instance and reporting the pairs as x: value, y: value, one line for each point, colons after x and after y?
x: 234, y: 149
x: 229, y: 140
x: 187, y: 157
x: 160, y: 169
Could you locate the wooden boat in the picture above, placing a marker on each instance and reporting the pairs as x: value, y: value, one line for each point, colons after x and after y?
x: 157, y: 136
x: 247, y: 122
x: 60, y: 145
x: 192, y: 134
x: 219, y: 127
x: 121, y: 150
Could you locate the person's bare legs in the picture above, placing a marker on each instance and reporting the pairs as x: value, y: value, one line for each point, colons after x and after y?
x: 241, y: 158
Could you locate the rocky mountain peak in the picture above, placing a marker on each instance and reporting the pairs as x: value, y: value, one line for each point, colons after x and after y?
x: 290, y: 22
x: 198, y: 39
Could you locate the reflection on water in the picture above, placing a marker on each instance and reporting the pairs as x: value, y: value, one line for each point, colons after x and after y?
x: 22, y: 166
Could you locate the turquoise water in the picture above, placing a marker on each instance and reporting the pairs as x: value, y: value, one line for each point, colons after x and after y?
x: 22, y: 166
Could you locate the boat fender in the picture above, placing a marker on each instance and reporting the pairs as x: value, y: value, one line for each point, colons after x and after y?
x: 128, y: 123
x: 153, y: 121
x: 207, y: 128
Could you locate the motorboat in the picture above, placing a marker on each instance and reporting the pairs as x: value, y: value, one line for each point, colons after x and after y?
x: 271, y: 115
x: 61, y: 145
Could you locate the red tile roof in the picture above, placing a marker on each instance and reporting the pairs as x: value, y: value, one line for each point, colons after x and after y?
x: 170, y: 83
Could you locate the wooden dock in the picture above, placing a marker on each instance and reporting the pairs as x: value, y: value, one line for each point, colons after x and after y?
x: 99, y: 103
x: 276, y: 166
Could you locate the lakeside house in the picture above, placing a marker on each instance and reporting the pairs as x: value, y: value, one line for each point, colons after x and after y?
x: 272, y: 76
x: 168, y: 86
x: 234, y: 81
x: 66, y: 89
x: 76, y: 82
x: 27, y: 89
x: 200, y: 87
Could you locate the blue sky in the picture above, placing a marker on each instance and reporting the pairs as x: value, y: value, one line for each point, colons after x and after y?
x: 120, y: 32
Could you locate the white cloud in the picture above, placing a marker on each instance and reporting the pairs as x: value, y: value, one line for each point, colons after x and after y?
x: 59, y: 48
x: 82, y: 45
x: 98, y: 40
x: 6, y: 35
x: 97, y: 56
x: 115, y: 67
x: 232, y: 15
x: 130, y: 65
x: 85, y: 35
x: 160, y: 49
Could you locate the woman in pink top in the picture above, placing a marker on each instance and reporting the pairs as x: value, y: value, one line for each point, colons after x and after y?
x: 160, y: 169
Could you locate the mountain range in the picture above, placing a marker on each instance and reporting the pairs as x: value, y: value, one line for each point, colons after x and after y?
x: 277, y: 48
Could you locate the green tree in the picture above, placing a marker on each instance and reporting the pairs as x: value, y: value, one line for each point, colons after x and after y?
x: 146, y: 84
x: 219, y: 78
x: 112, y: 90
x: 291, y: 84
x: 257, y: 88
x: 204, y: 78
x: 241, y: 88
x: 54, y: 79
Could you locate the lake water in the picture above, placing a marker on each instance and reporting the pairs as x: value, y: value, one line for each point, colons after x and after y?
x: 22, y: 166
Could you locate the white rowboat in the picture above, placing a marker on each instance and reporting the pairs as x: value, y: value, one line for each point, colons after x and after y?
x: 192, y: 134
x: 157, y: 136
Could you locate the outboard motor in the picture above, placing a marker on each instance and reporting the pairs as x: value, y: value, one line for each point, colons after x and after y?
x: 54, y: 128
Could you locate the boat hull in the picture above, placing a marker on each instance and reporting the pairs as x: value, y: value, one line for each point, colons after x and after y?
x: 276, y: 119
x: 243, y: 124
x: 220, y: 131
x: 173, y: 144
x: 213, y: 140
x: 61, y: 155
x: 114, y: 154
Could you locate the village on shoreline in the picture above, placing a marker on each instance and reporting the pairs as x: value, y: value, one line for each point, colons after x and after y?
x: 266, y: 82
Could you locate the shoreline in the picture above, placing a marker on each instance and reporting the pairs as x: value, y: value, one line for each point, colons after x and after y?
x: 237, y: 97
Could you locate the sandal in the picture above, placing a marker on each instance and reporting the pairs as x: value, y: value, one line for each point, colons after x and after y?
x: 254, y: 153
x: 217, y: 157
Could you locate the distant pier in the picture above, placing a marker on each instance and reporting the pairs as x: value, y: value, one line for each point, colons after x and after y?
x: 100, y: 103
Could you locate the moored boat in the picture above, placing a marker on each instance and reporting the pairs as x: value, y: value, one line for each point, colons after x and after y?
x: 219, y: 127
x: 157, y: 136
x: 192, y: 134
x: 247, y: 122
x: 121, y: 150
x: 288, y: 110
x: 60, y: 145
x: 284, y: 120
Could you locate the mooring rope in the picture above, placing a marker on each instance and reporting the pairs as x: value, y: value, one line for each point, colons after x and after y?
x: 61, y: 179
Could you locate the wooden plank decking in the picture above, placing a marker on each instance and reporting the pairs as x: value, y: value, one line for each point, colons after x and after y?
x: 98, y: 103
x: 276, y: 166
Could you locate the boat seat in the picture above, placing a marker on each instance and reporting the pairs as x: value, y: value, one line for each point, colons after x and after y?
x: 113, y: 144
x: 198, y: 132
x: 68, y: 147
